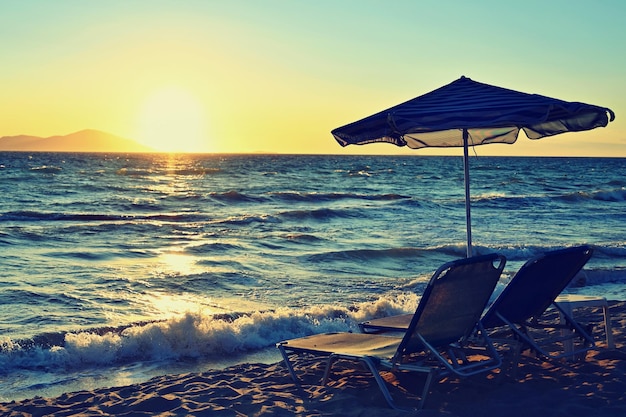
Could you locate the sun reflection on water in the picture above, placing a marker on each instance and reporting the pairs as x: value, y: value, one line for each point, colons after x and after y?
x: 169, y: 305
x: 179, y: 263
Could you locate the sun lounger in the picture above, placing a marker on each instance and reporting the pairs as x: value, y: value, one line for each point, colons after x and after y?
x: 437, y: 341
x: 522, y: 304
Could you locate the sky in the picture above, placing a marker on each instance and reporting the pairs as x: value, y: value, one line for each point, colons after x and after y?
x: 276, y: 76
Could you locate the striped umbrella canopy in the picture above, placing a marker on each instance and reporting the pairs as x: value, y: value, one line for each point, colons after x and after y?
x: 467, y: 113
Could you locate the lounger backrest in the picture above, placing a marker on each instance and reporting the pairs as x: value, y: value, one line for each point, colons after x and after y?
x: 453, y: 302
x: 536, y: 285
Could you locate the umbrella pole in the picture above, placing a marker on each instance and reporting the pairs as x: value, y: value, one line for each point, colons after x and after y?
x: 468, y: 216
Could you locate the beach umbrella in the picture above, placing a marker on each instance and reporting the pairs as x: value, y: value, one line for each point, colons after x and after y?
x: 467, y: 113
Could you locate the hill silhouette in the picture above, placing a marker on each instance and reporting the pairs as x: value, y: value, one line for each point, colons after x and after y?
x: 87, y: 140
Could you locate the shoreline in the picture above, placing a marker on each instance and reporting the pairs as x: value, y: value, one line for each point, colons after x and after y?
x: 595, y: 387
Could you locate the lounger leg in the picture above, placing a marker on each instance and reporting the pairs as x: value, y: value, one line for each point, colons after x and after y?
x: 292, y: 372
x: 329, y: 363
x: 385, y: 391
x: 586, y: 339
x: 608, y: 328
x: 525, y: 338
x: 372, y: 368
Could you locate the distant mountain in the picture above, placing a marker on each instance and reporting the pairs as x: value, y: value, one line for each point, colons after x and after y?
x: 88, y: 140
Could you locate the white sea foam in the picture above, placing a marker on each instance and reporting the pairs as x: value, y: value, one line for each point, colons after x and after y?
x: 195, y: 335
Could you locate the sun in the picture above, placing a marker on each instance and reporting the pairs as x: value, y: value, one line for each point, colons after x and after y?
x: 173, y: 120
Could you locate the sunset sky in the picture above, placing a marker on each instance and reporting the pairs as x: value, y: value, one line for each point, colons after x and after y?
x: 277, y: 76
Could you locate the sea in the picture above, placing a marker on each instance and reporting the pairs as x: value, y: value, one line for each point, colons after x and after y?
x: 115, y: 268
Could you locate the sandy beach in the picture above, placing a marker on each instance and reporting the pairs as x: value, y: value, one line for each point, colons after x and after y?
x: 595, y: 387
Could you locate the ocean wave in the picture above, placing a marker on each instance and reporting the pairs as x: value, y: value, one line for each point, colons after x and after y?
x: 611, y: 195
x: 492, y: 195
x: 451, y: 251
x: 436, y: 255
x: 183, y: 197
x: 30, y: 215
x: 47, y: 169
x: 525, y: 252
x: 326, y: 197
x: 604, y: 257
x: 617, y: 182
x: 86, y: 256
x: 615, y: 195
x: 236, y: 197
x: 303, y: 238
x: 610, y: 251
x: 301, y: 197
x: 503, y: 201
x: 369, y: 254
x: 321, y: 214
x: 605, y: 266
x: 246, y: 219
x: 588, y: 277
x: 190, y: 335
